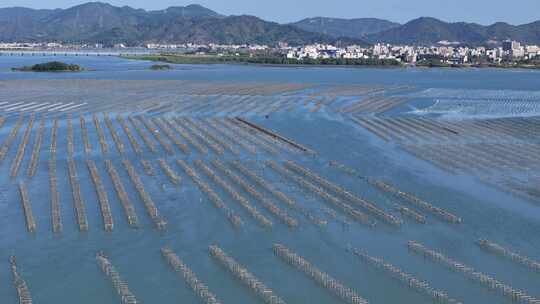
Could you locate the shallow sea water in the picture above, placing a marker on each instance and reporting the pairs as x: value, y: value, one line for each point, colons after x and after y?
x: 62, y: 268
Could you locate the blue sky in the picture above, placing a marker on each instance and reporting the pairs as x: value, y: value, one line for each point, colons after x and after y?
x: 480, y: 11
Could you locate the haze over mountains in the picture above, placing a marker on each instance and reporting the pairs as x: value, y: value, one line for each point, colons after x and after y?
x: 97, y: 22
x: 337, y: 27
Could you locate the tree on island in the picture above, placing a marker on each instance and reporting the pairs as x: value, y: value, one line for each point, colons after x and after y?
x: 160, y: 67
x: 53, y: 66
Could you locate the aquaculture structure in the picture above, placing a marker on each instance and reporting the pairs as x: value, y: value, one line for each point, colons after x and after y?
x: 56, y: 216
x: 198, y: 287
x: 505, y: 252
x: 173, y: 177
x: 27, y: 208
x: 131, y: 215
x: 246, y: 277
x: 334, y: 201
x: 415, y: 201
x: 103, y: 198
x: 267, y: 204
x: 22, y: 148
x: 263, y: 220
x: 34, y: 160
x: 20, y: 284
x: 235, y: 220
x: 149, y: 204
x: 119, y: 285
x: 413, y: 283
x: 370, y: 207
x: 84, y: 131
x: 469, y: 272
x: 325, y: 280
x: 6, y: 145
x: 80, y: 210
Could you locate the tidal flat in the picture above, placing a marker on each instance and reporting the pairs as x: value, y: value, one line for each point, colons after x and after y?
x: 243, y: 184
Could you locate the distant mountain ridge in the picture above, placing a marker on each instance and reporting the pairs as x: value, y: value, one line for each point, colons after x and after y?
x: 427, y: 31
x: 338, y: 27
x: 97, y: 22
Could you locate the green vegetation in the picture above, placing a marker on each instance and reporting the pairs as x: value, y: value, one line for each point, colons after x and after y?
x: 437, y: 63
x: 160, y: 67
x: 53, y: 66
x: 434, y: 63
x: 276, y: 59
x: 261, y: 59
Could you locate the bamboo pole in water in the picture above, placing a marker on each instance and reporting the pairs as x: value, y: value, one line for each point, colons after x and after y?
x: 134, y: 144
x: 149, y: 144
x: 263, y: 220
x: 505, y: 252
x: 489, y: 282
x: 415, y: 201
x: 27, y: 207
x: 101, y: 135
x: 280, y: 196
x: 34, y: 160
x: 145, y: 197
x: 116, y: 139
x: 122, y: 194
x: 325, y: 280
x: 103, y: 198
x: 22, y: 148
x: 267, y: 204
x: 78, y: 202
x: 55, y: 197
x: 372, y: 208
x: 86, y: 140
x: 233, y: 218
x: 6, y: 145
x: 20, y: 284
x: 118, y: 283
x: 198, y: 287
x: 208, y: 142
x: 345, y: 207
x: 187, y: 136
x: 412, y: 282
x: 246, y: 277
x: 173, y: 177
x: 157, y: 135
x: 70, y: 147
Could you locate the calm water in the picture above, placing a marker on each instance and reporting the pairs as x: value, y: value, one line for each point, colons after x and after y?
x: 114, y: 68
x: 62, y: 269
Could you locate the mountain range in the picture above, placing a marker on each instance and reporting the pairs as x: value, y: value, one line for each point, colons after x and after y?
x: 97, y: 22
x: 425, y: 31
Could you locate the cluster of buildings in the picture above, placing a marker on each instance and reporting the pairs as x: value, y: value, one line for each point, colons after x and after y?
x: 28, y: 46
x: 212, y: 47
x: 34, y: 46
x: 445, y: 53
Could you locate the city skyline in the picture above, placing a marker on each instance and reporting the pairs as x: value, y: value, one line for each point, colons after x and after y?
x: 522, y: 12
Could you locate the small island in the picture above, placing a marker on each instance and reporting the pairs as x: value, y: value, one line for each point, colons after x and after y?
x: 53, y: 66
x: 160, y: 67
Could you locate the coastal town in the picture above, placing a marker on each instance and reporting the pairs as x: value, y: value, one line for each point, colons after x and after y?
x: 443, y: 54
x: 509, y: 51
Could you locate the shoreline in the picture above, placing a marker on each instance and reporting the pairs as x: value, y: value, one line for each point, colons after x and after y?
x: 205, y: 61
